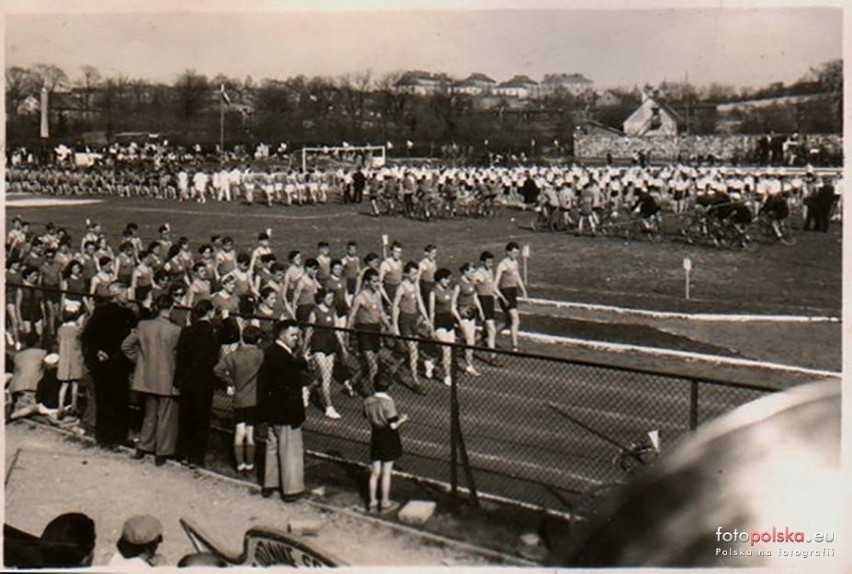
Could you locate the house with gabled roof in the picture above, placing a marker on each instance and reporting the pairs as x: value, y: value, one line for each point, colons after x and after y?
x: 475, y: 84
x: 574, y: 84
x: 653, y: 117
x: 421, y: 83
x: 520, y: 86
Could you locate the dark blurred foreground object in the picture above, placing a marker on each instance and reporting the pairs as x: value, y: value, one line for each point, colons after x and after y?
x: 68, y: 541
x: 263, y: 547
x: 773, y: 463
x: 201, y: 559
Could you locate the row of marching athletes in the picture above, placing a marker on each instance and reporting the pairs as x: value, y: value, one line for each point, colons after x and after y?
x: 422, y: 300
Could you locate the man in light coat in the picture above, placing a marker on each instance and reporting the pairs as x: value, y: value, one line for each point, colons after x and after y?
x: 152, y: 347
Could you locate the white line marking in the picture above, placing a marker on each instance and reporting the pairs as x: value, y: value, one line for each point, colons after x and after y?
x: 47, y: 202
x: 675, y: 315
x: 622, y: 347
x: 219, y: 215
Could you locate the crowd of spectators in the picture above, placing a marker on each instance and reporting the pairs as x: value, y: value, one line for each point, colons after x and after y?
x: 770, y: 149
x: 164, y: 325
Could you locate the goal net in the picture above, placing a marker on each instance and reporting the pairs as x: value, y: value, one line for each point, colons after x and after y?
x: 346, y: 157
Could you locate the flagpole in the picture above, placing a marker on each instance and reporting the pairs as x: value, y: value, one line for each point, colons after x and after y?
x: 222, y: 124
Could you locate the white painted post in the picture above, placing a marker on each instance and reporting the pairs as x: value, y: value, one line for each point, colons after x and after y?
x: 687, y: 266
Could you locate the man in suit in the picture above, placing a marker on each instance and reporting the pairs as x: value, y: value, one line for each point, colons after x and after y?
x: 152, y: 346
x: 282, y: 407
x: 359, y: 182
x: 197, y: 354
x: 109, y: 325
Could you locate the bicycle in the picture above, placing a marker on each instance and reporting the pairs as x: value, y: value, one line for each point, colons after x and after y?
x: 546, y: 218
x: 762, y: 231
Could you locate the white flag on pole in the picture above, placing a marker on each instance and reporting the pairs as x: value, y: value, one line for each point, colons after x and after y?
x: 224, y: 94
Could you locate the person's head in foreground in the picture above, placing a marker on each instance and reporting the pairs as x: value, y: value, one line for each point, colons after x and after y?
x: 747, y: 489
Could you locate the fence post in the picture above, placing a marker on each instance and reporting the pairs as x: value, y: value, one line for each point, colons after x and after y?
x: 693, y: 404
x: 461, y: 449
x: 454, y: 433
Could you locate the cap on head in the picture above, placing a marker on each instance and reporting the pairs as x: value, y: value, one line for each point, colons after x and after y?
x: 141, y: 530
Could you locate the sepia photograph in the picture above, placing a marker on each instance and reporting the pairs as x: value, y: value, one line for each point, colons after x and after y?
x: 547, y: 284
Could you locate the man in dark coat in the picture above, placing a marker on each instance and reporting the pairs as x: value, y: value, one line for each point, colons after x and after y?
x: 359, y: 182
x: 281, y: 405
x: 530, y: 190
x: 825, y: 200
x: 197, y: 354
x: 106, y: 329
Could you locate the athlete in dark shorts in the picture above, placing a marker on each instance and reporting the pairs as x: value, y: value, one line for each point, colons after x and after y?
x: 487, y: 291
x: 324, y: 343
x: 351, y: 267
x: 368, y: 317
x: 406, y: 310
x: 390, y: 272
x: 443, y: 316
x: 509, y: 284
x: 239, y: 370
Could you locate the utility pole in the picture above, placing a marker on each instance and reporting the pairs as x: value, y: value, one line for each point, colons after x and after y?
x: 686, y: 97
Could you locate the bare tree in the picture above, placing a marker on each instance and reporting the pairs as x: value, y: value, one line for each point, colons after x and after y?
x: 20, y: 83
x: 90, y: 80
x: 49, y: 75
x: 392, y: 104
x: 192, y: 90
x: 354, y: 90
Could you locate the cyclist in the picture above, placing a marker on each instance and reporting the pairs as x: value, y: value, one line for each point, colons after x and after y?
x: 648, y: 209
x: 776, y: 210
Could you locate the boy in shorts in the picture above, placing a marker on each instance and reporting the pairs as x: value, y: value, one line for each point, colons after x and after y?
x: 239, y: 371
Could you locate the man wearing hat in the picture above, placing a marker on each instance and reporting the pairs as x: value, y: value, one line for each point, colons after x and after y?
x: 140, y: 538
x: 110, y: 324
x: 68, y: 541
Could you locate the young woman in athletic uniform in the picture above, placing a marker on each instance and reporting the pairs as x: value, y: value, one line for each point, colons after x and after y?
x: 443, y: 314
x: 323, y: 342
x: 468, y: 308
x: 304, y: 294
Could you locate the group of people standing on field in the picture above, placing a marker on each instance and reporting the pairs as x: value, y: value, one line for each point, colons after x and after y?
x: 168, y: 332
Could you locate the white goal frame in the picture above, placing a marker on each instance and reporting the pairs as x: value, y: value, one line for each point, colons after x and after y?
x: 352, y: 148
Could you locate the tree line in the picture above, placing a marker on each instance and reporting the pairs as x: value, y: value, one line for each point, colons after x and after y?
x: 365, y: 108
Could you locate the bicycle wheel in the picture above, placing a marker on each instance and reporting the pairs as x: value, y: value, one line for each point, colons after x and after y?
x: 636, y: 459
x: 540, y: 222
x: 694, y: 232
x: 787, y: 238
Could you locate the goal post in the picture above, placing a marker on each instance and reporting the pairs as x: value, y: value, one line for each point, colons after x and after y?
x: 372, y: 155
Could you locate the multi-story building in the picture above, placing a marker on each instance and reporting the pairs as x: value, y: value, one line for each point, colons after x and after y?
x: 574, y: 84
x: 521, y: 87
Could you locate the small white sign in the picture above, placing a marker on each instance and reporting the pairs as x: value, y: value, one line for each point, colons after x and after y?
x: 687, y: 264
x: 525, y: 251
x: 384, y: 239
x: 654, y: 435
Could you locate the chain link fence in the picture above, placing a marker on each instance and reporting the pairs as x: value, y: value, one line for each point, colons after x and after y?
x: 531, y: 429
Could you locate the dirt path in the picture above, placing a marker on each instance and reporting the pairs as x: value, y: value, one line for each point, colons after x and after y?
x: 48, y: 474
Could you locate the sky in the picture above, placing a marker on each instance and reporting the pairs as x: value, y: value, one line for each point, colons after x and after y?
x: 612, y: 47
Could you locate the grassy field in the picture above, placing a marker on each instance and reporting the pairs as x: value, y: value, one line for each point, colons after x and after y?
x: 775, y: 279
